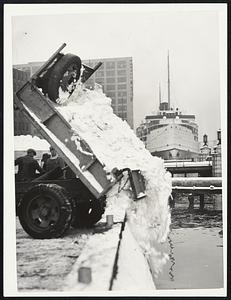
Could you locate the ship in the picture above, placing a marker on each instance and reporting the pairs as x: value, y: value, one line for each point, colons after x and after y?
x: 169, y: 133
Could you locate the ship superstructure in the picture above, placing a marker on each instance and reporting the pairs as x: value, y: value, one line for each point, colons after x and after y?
x: 169, y: 133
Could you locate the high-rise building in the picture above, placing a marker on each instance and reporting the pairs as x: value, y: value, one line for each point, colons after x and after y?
x: 115, y: 76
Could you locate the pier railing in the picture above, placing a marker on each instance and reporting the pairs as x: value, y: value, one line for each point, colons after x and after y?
x: 197, y: 186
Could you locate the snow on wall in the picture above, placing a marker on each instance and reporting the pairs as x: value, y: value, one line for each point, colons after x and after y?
x: 115, y: 144
x: 24, y: 142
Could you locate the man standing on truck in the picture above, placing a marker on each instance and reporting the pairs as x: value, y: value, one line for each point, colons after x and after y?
x: 54, y: 161
x: 27, y: 166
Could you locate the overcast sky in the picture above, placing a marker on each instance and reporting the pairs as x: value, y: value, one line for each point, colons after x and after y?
x: 192, y: 37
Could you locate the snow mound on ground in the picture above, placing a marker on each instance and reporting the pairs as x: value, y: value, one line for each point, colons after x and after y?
x: 116, y: 146
x: 24, y: 142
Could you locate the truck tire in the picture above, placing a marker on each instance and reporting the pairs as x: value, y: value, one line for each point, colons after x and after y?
x: 45, y: 211
x: 60, y: 75
x: 88, y: 213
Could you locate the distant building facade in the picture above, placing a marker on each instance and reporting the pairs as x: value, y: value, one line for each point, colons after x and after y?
x: 29, y: 68
x: 116, y: 78
x: 21, y: 125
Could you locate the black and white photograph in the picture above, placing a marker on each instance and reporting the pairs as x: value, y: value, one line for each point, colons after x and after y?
x: 115, y: 149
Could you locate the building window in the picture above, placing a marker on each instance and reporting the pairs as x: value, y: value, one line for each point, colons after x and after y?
x: 122, y: 108
x: 121, y: 79
x: 110, y: 80
x: 122, y: 86
x: 110, y: 73
x: 122, y: 100
x: 110, y: 87
x: 121, y: 94
x: 122, y: 115
x: 121, y: 72
x: 121, y: 64
x: 110, y: 64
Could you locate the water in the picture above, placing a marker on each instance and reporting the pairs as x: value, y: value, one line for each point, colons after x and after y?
x: 196, y: 259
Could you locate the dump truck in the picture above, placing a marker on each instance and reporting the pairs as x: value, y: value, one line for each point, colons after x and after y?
x: 47, y: 206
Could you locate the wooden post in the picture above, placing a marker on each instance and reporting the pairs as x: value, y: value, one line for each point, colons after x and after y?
x: 202, y: 201
x: 110, y: 221
x: 84, y: 275
x: 191, y: 201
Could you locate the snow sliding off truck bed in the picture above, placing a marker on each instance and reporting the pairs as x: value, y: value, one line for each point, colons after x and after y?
x: 48, y: 206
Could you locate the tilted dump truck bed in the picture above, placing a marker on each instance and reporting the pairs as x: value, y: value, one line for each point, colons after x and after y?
x: 41, y: 112
x: 47, y: 207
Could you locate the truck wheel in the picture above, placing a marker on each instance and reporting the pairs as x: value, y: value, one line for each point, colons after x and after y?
x: 88, y: 212
x: 45, y: 211
x: 64, y: 73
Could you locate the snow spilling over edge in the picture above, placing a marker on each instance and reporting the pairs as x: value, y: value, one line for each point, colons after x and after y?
x: 115, y: 144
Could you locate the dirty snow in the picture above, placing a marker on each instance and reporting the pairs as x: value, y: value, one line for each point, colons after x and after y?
x: 48, y: 266
x: 44, y: 264
x: 113, y: 142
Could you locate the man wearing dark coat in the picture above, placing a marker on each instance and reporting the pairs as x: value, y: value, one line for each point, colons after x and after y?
x: 55, y: 161
x: 27, y: 166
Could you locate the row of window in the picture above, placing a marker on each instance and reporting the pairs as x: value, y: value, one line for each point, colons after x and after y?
x: 111, y: 73
x: 110, y: 80
x: 194, y: 130
x: 120, y: 101
x: 111, y: 87
x: 119, y: 94
x: 122, y: 115
x: 122, y: 109
x: 120, y: 64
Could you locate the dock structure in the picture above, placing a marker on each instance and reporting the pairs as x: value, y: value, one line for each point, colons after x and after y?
x: 202, y: 168
x: 198, y: 186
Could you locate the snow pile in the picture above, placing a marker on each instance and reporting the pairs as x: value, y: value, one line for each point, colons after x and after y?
x: 115, y: 145
x: 24, y: 142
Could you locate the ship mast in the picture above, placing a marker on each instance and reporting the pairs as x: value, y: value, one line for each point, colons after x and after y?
x: 168, y: 84
x: 159, y: 96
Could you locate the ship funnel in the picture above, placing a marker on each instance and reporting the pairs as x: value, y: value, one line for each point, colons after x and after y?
x: 159, y: 96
